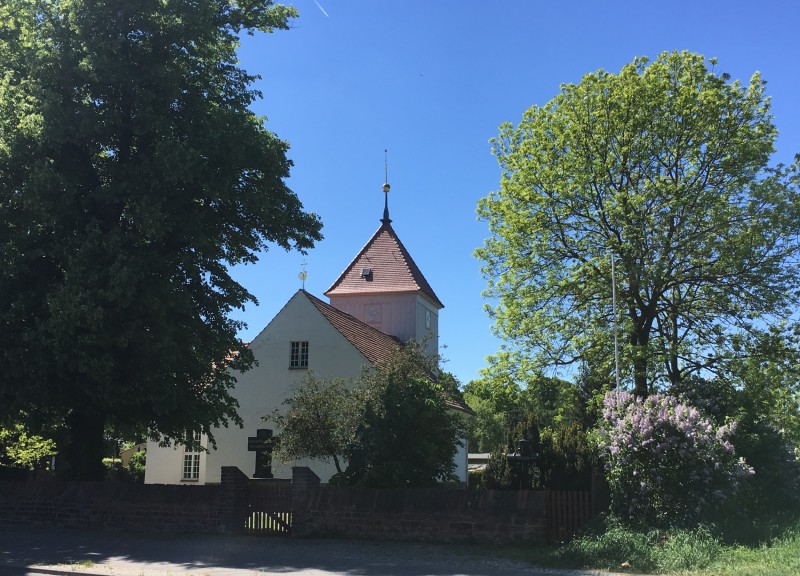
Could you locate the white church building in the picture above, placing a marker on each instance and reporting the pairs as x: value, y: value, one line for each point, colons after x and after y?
x: 381, y: 300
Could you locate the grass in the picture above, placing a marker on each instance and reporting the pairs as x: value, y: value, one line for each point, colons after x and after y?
x: 678, y: 552
x: 780, y: 558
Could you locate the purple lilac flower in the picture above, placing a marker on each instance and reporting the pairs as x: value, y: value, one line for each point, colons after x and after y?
x: 659, y: 438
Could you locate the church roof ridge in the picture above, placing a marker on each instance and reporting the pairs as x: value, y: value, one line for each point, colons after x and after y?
x: 376, y: 346
x: 383, y: 265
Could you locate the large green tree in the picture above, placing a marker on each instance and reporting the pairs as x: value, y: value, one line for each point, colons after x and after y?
x: 132, y: 175
x: 664, y: 169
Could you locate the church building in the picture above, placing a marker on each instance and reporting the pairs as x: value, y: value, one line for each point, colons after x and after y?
x: 380, y: 301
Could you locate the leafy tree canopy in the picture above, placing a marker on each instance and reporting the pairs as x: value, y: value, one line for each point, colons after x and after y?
x: 317, y: 421
x: 132, y: 175
x: 21, y: 449
x: 500, y: 403
x: 664, y: 169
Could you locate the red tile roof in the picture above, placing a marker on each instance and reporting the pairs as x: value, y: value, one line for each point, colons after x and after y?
x: 390, y: 266
x: 375, y: 345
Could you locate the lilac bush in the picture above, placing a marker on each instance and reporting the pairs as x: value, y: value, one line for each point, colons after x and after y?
x: 665, y: 463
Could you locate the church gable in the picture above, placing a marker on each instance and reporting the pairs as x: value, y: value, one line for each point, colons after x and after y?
x: 300, y: 336
x: 328, y: 334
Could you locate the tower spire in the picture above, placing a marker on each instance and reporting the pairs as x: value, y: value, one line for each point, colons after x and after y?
x: 386, y: 220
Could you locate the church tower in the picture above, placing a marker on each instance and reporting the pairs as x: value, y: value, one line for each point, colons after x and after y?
x: 384, y: 288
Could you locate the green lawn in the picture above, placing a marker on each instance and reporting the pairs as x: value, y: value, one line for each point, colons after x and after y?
x: 696, y: 553
x: 782, y: 558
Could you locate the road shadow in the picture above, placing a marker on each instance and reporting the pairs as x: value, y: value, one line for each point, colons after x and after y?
x: 96, y: 551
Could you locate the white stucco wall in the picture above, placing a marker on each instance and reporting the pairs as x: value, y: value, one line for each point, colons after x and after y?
x: 165, y: 464
x: 461, y: 458
x: 264, y: 388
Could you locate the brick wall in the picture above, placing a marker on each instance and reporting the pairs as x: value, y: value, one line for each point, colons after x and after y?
x: 112, y: 506
x: 436, y: 515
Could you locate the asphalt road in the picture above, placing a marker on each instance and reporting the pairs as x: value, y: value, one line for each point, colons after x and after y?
x: 54, y: 552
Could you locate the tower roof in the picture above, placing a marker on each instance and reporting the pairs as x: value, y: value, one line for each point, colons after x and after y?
x: 383, y: 266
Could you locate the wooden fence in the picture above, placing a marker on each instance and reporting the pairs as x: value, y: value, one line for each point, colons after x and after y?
x: 567, y: 512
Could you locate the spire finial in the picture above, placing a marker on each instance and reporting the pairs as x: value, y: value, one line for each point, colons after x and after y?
x: 386, y: 188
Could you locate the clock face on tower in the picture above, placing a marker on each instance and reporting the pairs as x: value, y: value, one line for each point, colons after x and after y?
x: 428, y: 319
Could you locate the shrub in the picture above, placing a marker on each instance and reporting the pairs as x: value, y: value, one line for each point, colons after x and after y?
x: 136, y: 466
x: 666, y: 465
x: 497, y: 474
x: 613, y: 545
x: 565, y: 460
x: 769, y: 501
x: 112, y: 463
x: 392, y: 426
x: 406, y: 436
x: 559, y: 458
x: 475, y: 479
x: 765, y: 410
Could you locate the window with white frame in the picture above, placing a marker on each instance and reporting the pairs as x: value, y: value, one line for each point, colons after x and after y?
x: 191, y: 459
x: 299, y: 354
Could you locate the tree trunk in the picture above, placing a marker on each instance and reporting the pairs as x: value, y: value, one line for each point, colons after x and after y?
x: 640, y: 376
x: 640, y: 339
x: 85, y: 447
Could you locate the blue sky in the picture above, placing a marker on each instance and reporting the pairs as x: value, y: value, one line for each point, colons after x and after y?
x: 431, y: 81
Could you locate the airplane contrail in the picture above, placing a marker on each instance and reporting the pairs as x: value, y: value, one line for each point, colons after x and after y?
x: 321, y: 8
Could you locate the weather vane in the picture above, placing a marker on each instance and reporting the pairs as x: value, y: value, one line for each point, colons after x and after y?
x: 303, y: 274
x: 385, y: 169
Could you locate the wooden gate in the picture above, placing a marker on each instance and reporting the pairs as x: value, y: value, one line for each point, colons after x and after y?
x: 270, y: 508
x: 567, y: 512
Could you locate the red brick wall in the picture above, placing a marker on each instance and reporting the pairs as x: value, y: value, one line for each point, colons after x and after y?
x: 436, y: 515
x: 441, y: 515
x: 112, y: 506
